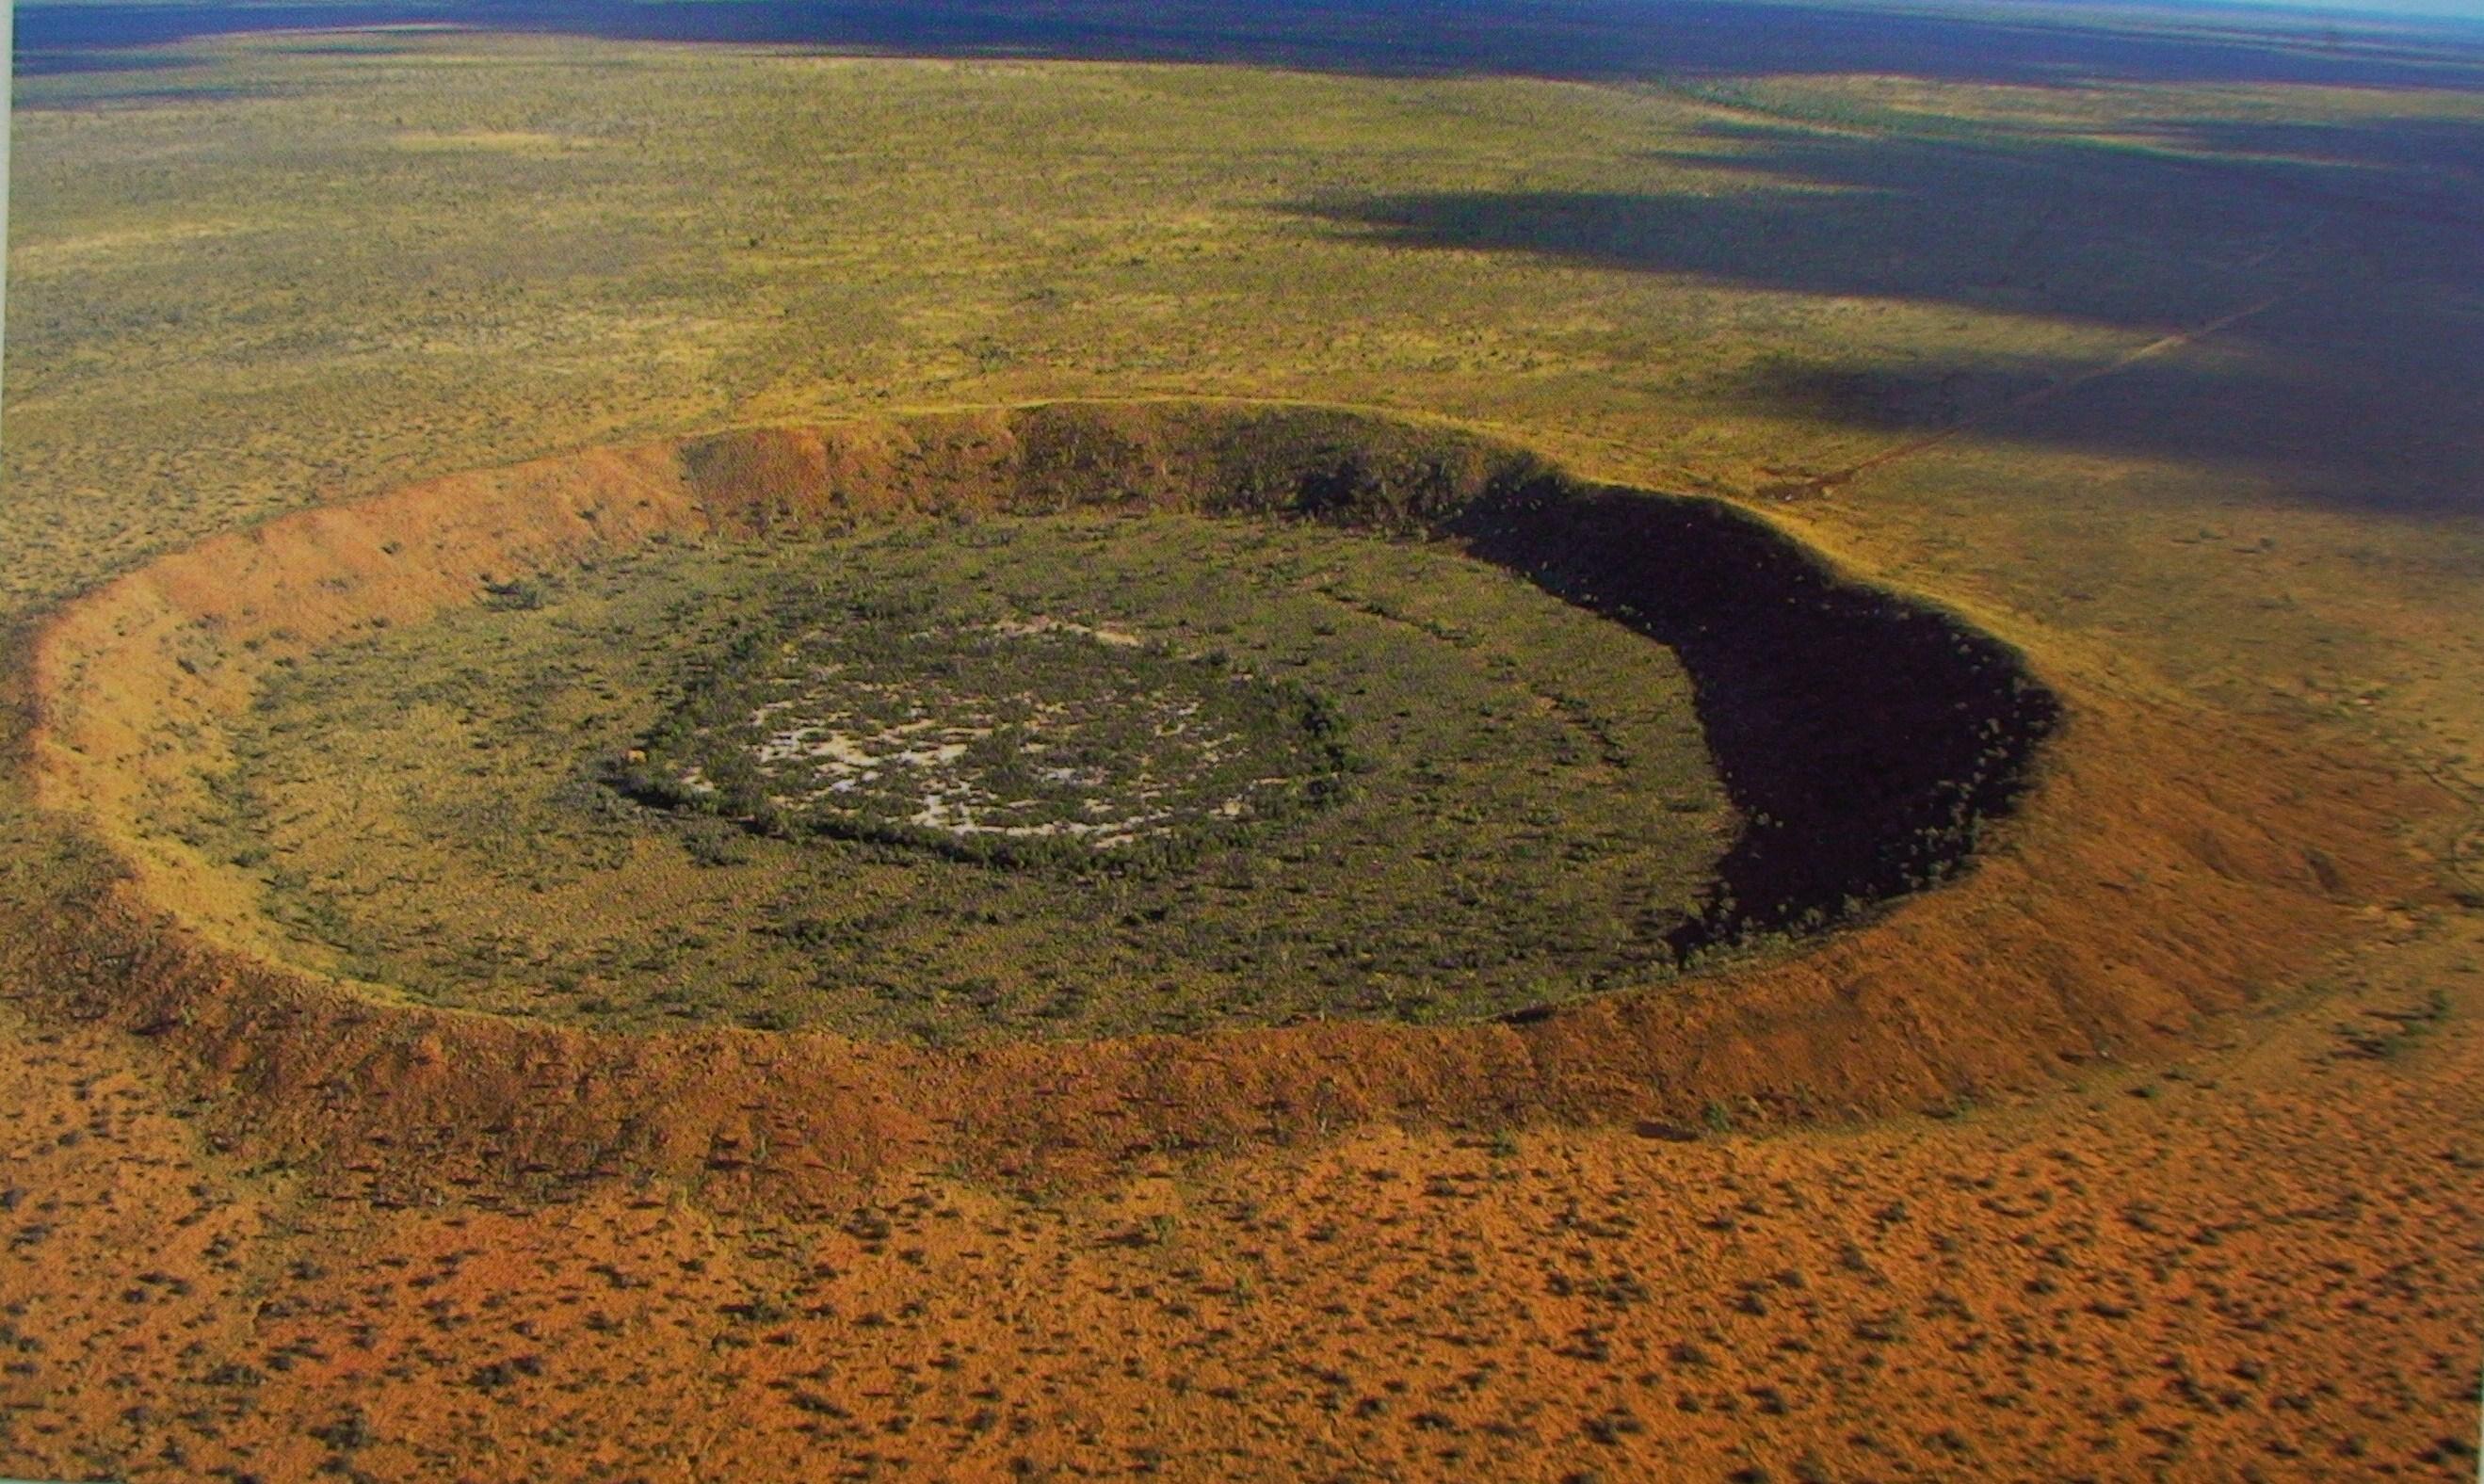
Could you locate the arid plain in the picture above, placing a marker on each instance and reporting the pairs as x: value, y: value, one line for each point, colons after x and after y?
x: 2149, y: 1144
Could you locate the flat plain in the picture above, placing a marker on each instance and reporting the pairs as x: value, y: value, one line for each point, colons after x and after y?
x: 2156, y: 361
x: 497, y: 866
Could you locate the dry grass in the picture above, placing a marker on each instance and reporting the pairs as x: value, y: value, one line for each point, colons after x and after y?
x: 2253, y: 557
x: 1530, y: 810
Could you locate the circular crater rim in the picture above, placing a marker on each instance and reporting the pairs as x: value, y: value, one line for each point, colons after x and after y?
x: 1866, y: 738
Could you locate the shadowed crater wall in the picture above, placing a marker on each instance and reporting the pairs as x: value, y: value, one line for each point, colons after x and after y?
x: 1865, y: 739
x: 2156, y: 878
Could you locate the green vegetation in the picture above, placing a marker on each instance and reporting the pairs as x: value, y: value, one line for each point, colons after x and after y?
x: 984, y: 735
x: 279, y: 275
x: 1460, y: 796
x: 320, y: 273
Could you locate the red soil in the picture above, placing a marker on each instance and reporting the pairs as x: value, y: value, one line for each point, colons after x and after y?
x: 524, y: 1249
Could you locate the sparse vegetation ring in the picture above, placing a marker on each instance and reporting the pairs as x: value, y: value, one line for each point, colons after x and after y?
x: 1867, y: 741
x: 1029, y: 741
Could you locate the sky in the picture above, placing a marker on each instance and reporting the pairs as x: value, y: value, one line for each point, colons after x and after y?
x: 2439, y: 10
x: 2344, y: 10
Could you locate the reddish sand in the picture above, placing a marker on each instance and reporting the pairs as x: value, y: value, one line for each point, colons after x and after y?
x: 260, y: 1224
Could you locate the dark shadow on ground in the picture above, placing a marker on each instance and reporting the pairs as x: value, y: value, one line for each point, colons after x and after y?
x: 1595, y: 38
x: 1866, y: 741
x: 133, y: 98
x: 2377, y: 432
x: 2364, y: 254
x: 2093, y: 231
x: 2407, y: 149
x: 71, y: 64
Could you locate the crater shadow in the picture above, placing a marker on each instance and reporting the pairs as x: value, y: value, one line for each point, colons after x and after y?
x: 1864, y: 737
x: 1865, y: 740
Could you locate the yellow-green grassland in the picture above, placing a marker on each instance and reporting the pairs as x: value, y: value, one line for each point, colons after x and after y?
x: 409, y: 1069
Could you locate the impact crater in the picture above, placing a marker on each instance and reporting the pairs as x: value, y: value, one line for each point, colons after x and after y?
x: 1069, y: 722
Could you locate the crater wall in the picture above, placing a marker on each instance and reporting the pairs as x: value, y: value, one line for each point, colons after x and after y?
x: 2154, y: 869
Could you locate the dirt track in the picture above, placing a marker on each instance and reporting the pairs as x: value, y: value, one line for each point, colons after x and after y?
x: 1840, y: 479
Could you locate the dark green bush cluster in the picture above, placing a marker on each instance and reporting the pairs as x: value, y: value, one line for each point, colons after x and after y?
x: 1056, y: 728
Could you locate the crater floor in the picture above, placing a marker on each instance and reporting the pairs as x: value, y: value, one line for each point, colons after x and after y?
x: 771, y: 784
